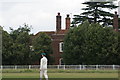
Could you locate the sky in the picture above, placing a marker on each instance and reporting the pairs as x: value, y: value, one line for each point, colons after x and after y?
x: 40, y: 14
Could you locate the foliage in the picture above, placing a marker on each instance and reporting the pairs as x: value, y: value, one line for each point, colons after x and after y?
x: 42, y: 42
x: 16, y: 48
x: 7, y: 43
x: 91, y: 44
x: 20, y: 47
x: 96, y: 12
x: 118, y: 48
x: 1, y: 29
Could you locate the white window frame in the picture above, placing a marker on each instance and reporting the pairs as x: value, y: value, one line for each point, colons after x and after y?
x: 60, y: 47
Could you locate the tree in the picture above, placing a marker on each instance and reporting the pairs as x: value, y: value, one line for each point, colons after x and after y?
x: 7, y: 43
x: 21, y: 29
x: 118, y: 23
x: 91, y: 44
x: 21, y: 53
x: 1, y: 45
x: 96, y: 12
x: 42, y: 42
x: 118, y: 50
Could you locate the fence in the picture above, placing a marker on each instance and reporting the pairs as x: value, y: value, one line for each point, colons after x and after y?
x: 78, y: 67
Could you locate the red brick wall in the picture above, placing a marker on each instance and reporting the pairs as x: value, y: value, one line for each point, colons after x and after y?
x: 56, y: 39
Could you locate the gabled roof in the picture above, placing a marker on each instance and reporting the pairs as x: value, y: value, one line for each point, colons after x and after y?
x: 47, y: 32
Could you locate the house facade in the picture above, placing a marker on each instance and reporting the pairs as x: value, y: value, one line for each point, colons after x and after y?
x: 58, y: 36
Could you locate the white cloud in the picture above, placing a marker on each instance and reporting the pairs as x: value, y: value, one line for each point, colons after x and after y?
x: 40, y: 14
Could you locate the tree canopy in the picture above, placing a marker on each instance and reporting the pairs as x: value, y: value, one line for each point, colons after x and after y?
x: 1, y: 45
x: 96, y: 12
x: 91, y: 44
x: 21, y: 47
x: 42, y: 42
x: 16, y: 48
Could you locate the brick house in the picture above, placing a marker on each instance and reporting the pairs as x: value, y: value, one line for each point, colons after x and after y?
x: 58, y: 35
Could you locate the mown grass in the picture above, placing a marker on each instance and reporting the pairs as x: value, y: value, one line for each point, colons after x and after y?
x: 57, y: 71
x: 61, y: 75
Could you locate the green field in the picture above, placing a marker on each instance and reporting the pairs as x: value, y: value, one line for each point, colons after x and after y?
x: 61, y: 74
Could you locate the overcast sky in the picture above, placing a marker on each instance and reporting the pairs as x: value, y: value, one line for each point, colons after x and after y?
x: 41, y: 14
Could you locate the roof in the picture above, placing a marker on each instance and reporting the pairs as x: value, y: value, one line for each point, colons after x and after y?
x: 47, y: 32
x: 62, y: 32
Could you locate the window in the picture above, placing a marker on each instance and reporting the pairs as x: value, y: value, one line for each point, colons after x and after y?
x: 61, y: 47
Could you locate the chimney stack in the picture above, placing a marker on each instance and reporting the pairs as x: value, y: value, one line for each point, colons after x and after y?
x: 115, y: 22
x: 58, y: 22
x: 67, y: 22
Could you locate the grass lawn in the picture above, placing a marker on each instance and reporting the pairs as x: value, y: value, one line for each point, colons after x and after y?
x: 61, y: 75
x: 54, y: 74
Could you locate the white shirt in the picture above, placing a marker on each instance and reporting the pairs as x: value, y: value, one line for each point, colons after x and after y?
x: 43, y: 63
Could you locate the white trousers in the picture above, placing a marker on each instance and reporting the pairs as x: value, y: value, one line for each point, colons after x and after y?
x: 43, y: 72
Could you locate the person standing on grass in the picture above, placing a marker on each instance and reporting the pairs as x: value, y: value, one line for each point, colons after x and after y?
x: 43, y: 66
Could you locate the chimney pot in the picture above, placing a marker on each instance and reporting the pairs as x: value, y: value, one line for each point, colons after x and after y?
x: 58, y: 14
x: 67, y: 15
x: 115, y: 12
